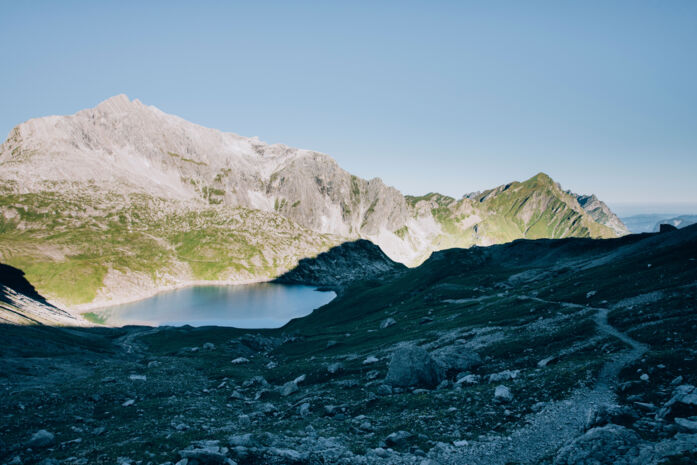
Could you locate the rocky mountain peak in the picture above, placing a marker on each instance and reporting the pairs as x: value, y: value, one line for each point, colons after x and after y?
x: 117, y: 103
x: 542, y: 178
x: 125, y: 150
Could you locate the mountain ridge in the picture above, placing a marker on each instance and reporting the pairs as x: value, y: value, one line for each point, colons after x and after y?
x: 123, y: 168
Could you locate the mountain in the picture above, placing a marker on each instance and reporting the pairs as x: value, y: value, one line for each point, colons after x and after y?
x: 116, y: 202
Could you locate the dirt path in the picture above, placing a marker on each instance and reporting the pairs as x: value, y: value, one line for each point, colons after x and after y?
x: 608, y: 374
x: 558, y: 422
x: 129, y: 343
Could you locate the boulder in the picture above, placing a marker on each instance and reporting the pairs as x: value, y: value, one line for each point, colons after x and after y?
x: 289, y: 388
x: 687, y: 425
x: 387, y: 322
x: 40, y: 439
x: 456, y: 358
x: 384, y: 390
x: 259, y: 343
x: 503, y: 376
x: 399, y: 439
x: 467, y: 378
x: 255, y: 381
x: 330, y: 410
x: 285, y: 456
x: 682, y: 404
x: 603, y: 414
x: 206, y: 453
x: 609, y: 444
x: 243, y: 440
x: 335, y: 367
x: 412, y: 366
x: 268, y: 408
x: 503, y: 394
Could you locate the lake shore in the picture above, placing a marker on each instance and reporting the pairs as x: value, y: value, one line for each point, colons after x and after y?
x: 251, y: 306
x: 100, y: 304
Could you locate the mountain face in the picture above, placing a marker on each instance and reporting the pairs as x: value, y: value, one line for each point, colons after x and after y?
x: 601, y: 213
x: 117, y: 201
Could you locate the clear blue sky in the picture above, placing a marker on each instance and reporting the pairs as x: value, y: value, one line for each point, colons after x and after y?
x: 432, y: 96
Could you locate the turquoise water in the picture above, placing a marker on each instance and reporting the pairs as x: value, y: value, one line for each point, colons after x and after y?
x: 244, y: 306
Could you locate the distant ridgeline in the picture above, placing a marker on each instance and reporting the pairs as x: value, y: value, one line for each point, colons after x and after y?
x: 118, y: 201
x: 652, y: 222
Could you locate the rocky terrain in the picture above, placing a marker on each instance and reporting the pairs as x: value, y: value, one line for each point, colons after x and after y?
x: 549, y: 351
x: 21, y: 304
x: 117, y: 202
x: 601, y: 213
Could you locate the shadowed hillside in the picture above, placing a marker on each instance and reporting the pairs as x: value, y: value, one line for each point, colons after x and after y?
x: 349, y: 262
x: 20, y: 303
x: 13, y: 279
x: 533, y: 352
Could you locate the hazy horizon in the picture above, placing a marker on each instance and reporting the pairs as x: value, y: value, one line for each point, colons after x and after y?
x: 624, y: 210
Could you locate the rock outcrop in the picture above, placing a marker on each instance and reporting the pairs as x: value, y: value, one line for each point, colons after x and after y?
x: 351, y: 261
x: 601, y: 213
x: 412, y: 366
x: 20, y: 303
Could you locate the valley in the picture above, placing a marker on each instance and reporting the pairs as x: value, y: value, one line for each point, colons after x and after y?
x: 348, y: 233
x: 533, y: 352
x: 521, y: 324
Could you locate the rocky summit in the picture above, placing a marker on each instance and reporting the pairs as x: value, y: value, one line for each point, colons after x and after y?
x: 120, y: 201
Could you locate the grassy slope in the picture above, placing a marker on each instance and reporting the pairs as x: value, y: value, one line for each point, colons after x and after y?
x: 467, y: 294
x: 67, y: 244
x: 533, y: 209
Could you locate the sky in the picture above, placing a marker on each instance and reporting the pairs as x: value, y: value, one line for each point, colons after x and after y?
x: 452, y: 97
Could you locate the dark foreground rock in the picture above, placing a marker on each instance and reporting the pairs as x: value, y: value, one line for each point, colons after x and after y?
x: 412, y: 366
